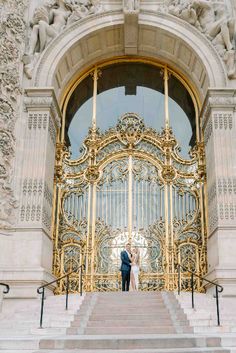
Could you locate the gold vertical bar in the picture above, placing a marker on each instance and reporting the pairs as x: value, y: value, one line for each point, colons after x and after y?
x: 202, y: 214
x: 58, y: 200
x: 198, y: 137
x: 171, y: 228
x: 61, y: 136
x: 94, y: 194
x: 166, y: 186
x: 95, y: 87
x: 130, y: 199
x: 166, y: 210
x: 166, y: 90
x: 88, y: 232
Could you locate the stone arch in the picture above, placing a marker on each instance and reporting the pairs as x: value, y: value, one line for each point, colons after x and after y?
x: 160, y: 37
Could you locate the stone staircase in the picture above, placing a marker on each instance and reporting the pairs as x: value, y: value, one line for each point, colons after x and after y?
x: 203, y: 318
x: 134, y: 322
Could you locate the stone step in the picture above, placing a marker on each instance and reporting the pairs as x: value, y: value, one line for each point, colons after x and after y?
x: 123, y: 330
x: 136, y: 316
x: 137, y: 341
x: 18, y: 350
x: 162, y: 350
x: 130, y: 294
x: 132, y: 310
x: 212, y: 329
x: 125, y: 303
x: 21, y: 324
x: 24, y: 342
x: 33, y: 331
x: 121, y: 323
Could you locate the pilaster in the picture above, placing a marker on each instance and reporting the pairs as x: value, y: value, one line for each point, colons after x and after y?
x: 219, y: 126
x: 30, y: 247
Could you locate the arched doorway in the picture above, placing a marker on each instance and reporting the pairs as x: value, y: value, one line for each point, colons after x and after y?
x: 130, y: 181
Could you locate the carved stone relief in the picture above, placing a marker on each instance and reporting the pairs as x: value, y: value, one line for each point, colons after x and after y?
x: 215, y: 22
x: 12, y: 29
x: 221, y: 201
x: 49, y: 20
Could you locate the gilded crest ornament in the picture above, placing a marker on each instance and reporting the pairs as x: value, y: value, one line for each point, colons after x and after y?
x: 130, y: 129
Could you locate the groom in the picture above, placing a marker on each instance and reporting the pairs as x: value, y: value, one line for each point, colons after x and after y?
x: 125, y: 267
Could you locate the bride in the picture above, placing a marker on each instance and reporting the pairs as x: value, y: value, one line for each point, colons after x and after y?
x: 134, y: 269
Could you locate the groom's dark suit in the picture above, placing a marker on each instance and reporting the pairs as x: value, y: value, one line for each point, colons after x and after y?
x: 125, y: 270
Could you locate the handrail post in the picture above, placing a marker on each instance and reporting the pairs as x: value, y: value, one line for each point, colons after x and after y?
x: 67, y: 290
x: 81, y: 281
x: 178, y: 279
x: 42, y: 307
x: 217, y: 306
x: 192, y: 286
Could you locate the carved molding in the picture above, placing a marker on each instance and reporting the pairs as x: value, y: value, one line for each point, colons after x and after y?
x: 212, y: 194
x: 46, y: 218
x: 12, y: 29
x: 44, y: 101
x: 37, y: 121
x: 219, y: 121
x: 223, y: 121
x: 227, y: 211
x: 226, y: 186
x: 42, y: 121
x: 208, y: 132
x: 212, y: 217
x: 221, y: 202
x: 36, y: 197
x: 156, y: 19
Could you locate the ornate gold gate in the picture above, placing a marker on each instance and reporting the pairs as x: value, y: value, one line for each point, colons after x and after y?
x: 129, y: 185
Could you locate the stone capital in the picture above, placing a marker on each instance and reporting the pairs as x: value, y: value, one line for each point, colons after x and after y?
x: 43, y: 99
x: 222, y: 100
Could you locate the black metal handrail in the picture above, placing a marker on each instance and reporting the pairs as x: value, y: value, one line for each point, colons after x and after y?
x: 41, y: 290
x: 7, y: 287
x: 219, y: 288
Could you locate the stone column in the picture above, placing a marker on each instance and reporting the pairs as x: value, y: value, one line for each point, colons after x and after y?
x: 219, y: 126
x: 30, y: 247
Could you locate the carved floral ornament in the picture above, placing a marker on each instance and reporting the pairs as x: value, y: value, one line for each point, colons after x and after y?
x: 212, y: 19
x: 12, y: 31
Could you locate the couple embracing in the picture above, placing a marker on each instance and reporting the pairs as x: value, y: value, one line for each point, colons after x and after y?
x: 129, y: 268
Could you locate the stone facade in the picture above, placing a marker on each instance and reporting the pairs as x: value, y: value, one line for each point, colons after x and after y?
x: 45, y: 44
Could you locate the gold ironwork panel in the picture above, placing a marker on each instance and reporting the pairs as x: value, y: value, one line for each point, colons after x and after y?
x: 131, y: 185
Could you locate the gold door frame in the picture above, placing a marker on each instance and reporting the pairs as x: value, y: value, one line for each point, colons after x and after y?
x: 76, y: 183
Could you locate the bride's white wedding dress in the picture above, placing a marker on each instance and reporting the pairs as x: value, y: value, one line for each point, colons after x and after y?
x: 134, y: 273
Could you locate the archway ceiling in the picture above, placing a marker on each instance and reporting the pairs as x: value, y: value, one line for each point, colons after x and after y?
x: 97, y: 39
